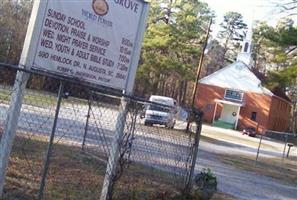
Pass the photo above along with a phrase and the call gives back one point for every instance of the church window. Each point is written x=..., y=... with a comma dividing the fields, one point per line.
x=254, y=116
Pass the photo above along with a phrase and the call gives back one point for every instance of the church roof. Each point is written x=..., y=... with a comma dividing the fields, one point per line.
x=236, y=76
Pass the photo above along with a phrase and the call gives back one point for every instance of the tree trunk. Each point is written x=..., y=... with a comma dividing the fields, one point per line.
x=176, y=91
x=185, y=93
x=172, y=90
x=162, y=84
x=155, y=84
x=181, y=86
x=144, y=88
x=225, y=49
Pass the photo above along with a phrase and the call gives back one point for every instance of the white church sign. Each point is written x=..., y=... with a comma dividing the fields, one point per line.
x=97, y=41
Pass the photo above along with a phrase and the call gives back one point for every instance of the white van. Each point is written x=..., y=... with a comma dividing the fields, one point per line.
x=162, y=115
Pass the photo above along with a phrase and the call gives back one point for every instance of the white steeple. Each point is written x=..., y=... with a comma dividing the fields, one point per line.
x=245, y=55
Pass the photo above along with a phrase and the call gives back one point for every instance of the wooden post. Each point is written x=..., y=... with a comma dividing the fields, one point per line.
x=195, y=90
x=258, y=151
x=285, y=146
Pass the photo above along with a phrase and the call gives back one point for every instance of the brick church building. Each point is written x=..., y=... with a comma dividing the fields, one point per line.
x=233, y=97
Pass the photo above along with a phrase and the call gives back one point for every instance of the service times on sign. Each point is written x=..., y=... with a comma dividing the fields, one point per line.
x=92, y=40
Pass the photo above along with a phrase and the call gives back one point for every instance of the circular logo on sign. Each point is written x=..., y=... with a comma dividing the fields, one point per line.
x=234, y=114
x=100, y=7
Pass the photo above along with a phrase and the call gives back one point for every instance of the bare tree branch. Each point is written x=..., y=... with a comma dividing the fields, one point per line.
x=291, y=50
x=288, y=8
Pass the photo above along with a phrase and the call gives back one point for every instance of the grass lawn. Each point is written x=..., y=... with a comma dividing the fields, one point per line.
x=31, y=97
x=271, y=167
x=45, y=99
x=4, y=95
x=268, y=166
x=75, y=175
x=219, y=138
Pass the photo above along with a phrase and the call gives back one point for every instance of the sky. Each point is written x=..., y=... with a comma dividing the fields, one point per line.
x=251, y=10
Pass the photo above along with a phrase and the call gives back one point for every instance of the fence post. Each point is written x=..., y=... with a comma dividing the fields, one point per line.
x=189, y=183
x=50, y=146
x=258, y=151
x=132, y=131
x=11, y=121
x=87, y=124
x=284, y=151
x=13, y=113
x=114, y=156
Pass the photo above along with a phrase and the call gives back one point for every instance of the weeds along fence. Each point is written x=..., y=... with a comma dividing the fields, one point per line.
x=153, y=161
x=277, y=151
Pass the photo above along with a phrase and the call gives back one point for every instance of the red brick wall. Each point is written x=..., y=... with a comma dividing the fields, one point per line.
x=272, y=112
x=279, y=118
x=258, y=103
x=205, y=100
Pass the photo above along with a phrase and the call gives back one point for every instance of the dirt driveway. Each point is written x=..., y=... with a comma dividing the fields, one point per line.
x=236, y=178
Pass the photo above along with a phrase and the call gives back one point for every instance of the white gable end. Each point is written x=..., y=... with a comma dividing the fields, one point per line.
x=236, y=76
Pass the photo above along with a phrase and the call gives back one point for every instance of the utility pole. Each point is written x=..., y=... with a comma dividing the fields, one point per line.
x=195, y=90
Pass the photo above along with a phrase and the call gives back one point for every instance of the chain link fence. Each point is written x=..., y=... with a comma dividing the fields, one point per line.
x=154, y=161
x=277, y=154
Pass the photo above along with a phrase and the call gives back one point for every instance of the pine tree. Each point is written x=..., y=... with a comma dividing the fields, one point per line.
x=277, y=52
x=172, y=47
x=233, y=31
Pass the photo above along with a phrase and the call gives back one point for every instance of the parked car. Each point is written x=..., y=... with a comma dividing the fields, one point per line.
x=158, y=114
x=250, y=131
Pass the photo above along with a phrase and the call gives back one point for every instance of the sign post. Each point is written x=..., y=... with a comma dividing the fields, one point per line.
x=113, y=160
x=114, y=156
x=18, y=92
x=11, y=125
